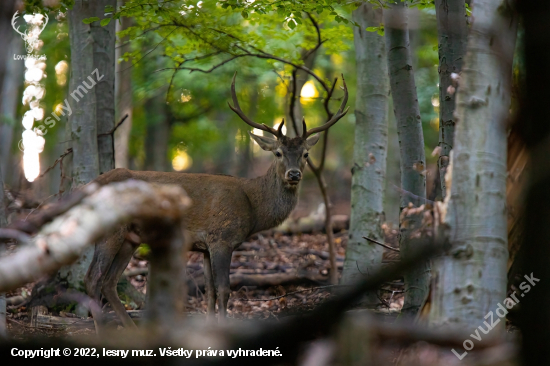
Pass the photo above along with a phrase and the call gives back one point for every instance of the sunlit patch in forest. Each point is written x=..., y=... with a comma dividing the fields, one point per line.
x=337, y=60
x=182, y=161
x=434, y=122
x=435, y=100
x=281, y=89
x=61, y=72
x=185, y=96
x=32, y=140
x=309, y=92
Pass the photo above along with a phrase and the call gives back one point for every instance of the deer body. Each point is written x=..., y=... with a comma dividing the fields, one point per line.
x=226, y=210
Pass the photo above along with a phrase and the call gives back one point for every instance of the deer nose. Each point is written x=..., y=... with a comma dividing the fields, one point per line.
x=294, y=175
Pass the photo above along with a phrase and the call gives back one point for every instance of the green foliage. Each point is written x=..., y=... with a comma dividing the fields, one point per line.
x=292, y=10
x=379, y=30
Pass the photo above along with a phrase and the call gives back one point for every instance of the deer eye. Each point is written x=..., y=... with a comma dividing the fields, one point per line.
x=278, y=154
x=306, y=155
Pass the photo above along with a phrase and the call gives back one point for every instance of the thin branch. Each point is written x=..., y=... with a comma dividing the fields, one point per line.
x=293, y=101
x=112, y=131
x=319, y=41
x=382, y=244
x=193, y=69
x=59, y=159
x=149, y=52
x=283, y=80
x=329, y=116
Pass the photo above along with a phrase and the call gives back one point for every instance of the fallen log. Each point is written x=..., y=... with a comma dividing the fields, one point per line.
x=312, y=223
x=238, y=280
x=62, y=240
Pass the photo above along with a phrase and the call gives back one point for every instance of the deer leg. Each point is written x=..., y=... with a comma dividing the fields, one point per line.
x=209, y=286
x=221, y=263
x=119, y=264
x=105, y=252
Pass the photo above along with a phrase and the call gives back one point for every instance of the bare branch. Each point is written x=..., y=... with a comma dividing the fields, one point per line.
x=382, y=244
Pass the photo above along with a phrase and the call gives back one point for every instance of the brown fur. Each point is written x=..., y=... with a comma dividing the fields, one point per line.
x=226, y=211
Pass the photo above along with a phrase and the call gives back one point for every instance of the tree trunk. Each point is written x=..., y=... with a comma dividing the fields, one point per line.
x=411, y=145
x=471, y=277
x=393, y=172
x=82, y=119
x=104, y=61
x=158, y=134
x=3, y=222
x=371, y=140
x=453, y=33
x=124, y=99
x=11, y=75
x=9, y=99
x=7, y=10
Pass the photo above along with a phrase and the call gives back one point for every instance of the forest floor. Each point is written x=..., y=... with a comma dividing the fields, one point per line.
x=299, y=262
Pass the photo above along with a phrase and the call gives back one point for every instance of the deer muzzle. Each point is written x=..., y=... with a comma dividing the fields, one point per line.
x=293, y=176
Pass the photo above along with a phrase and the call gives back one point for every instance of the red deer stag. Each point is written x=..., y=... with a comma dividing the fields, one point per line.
x=226, y=211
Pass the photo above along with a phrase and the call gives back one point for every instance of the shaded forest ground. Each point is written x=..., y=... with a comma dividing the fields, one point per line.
x=300, y=260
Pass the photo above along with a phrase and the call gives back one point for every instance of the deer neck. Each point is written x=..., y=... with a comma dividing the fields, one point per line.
x=272, y=200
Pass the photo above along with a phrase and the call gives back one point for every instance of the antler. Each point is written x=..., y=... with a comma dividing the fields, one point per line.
x=44, y=23
x=237, y=109
x=339, y=114
x=13, y=24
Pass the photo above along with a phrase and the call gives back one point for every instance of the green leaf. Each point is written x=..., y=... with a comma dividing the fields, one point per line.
x=372, y=29
x=291, y=24
x=105, y=22
x=244, y=13
x=90, y=20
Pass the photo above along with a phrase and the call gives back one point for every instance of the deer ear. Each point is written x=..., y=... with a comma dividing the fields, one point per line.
x=266, y=143
x=310, y=142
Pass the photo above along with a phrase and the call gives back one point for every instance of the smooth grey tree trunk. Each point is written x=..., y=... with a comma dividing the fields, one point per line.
x=7, y=10
x=452, y=32
x=471, y=278
x=3, y=222
x=411, y=145
x=104, y=61
x=371, y=140
x=123, y=91
x=393, y=172
x=85, y=165
x=9, y=100
x=83, y=117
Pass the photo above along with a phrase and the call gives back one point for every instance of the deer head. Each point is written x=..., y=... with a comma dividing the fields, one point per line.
x=291, y=154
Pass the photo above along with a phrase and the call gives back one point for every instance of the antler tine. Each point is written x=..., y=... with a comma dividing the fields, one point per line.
x=336, y=117
x=304, y=128
x=15, y=16
x=237, y=109
x=280, y=129
x=44, y=23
